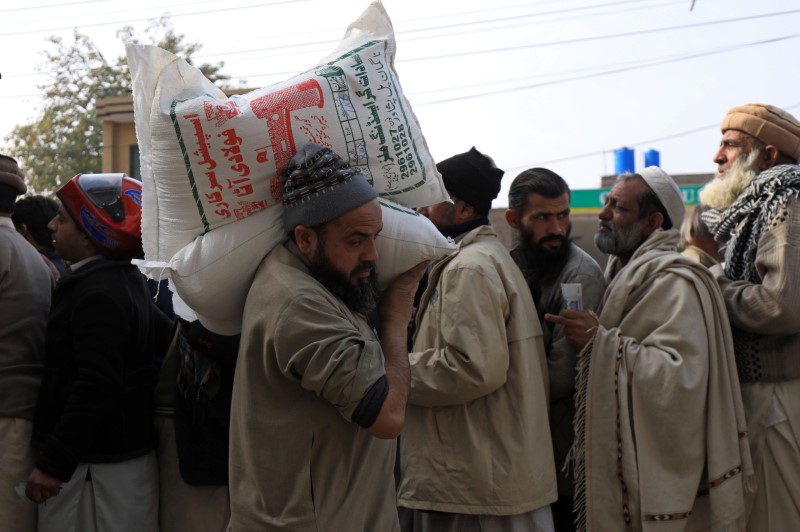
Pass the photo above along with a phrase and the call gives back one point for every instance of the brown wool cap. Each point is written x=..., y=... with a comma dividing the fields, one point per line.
x=768, y=124
x=11, y=175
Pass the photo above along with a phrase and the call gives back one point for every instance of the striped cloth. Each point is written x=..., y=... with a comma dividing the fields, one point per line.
x=742, y=224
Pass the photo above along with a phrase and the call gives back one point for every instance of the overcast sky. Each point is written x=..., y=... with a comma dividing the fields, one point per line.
x=548, y=83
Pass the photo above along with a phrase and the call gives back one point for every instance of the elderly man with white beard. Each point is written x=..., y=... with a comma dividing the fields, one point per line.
x=755, y=213
x=659, y=423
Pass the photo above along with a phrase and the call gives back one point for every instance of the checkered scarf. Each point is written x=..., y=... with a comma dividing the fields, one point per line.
x=742, y=224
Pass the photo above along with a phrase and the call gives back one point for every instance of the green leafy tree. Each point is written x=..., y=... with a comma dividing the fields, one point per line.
x=67, y=137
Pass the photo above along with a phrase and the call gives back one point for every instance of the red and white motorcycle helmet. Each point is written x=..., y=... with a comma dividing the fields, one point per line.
x=108, y=207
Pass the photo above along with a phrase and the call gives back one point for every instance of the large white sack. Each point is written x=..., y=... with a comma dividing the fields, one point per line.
x=407, y=239
x=213, y=274
x=208, y=160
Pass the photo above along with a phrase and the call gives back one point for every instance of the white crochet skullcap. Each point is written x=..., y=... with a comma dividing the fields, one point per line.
x=667, y=191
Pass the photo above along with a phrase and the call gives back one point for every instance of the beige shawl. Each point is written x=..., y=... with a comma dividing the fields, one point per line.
x=660, y=429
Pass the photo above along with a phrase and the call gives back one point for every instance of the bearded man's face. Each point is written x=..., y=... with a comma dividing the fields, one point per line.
x=344, y=256
x=544, y=229
x=733, y=146
x=737, y=165
x=621, y=229
x=357, y=288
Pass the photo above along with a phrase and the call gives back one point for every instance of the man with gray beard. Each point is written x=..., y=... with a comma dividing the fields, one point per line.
x=318, y=397
x=755, y=213
x=658, y=409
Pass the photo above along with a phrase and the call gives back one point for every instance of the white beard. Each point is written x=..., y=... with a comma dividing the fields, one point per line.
x=723, y=190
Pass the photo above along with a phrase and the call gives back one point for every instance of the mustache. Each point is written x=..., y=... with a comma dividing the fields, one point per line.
x=553, y=238
x=364, y=267
x=606, y=225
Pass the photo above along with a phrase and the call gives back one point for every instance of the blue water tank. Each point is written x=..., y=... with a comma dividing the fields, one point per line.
x=623, y=160
x=652, y=158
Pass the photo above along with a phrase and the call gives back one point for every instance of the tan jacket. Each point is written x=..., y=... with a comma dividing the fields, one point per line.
x=766, y=317
x=297, y=461
x=476, y=438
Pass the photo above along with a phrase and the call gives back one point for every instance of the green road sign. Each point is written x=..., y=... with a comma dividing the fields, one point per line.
x=593, y=199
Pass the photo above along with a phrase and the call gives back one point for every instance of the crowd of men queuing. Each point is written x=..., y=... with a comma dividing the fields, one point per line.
x=468, y=396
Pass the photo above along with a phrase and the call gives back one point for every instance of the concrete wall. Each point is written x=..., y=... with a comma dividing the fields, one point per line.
x=119, y=133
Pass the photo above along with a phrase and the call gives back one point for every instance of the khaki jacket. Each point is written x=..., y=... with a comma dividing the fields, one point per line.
x=297, y=461
x=476, y=438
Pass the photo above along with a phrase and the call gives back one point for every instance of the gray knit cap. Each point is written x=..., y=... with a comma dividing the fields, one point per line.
x=318, y=186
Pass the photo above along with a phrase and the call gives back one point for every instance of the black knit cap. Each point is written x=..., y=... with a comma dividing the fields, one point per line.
x=472, y=177
x=318, y=186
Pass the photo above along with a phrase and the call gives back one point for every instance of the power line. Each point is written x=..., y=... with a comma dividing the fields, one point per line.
x=644, y=62
x=213, y=11
x=528, y=15
x=115, y=12
x=540, y=45
x=29, y=8
x=440, y=27
x=402, y=33
x=649, y=142
x=613, y=71
x=549, y=21
x=602, y=37
x=552, y=43
x=334, y=41
x=225, y=9
x=633, y=65
x=594, y=68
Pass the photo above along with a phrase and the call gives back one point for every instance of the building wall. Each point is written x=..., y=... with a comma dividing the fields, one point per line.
x=118, y=140
x=119, y=134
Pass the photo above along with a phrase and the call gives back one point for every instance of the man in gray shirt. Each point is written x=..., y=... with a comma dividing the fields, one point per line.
x=25, y=287
x=539, y=210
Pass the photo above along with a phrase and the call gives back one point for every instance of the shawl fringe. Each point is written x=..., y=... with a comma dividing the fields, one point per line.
x=660, y=256
x=577, y=453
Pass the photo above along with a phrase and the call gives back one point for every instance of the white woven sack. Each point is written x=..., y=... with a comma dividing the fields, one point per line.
x=407, y=239
x=213, y=274
x=208, y=160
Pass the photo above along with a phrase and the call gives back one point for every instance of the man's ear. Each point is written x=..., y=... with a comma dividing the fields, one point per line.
x=511, y=218
x=463, y=211
x=306, y=240
x=654, y=221
x=88, y=246
x=769, y=157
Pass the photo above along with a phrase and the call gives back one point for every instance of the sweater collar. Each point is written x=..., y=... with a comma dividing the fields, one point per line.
x=457, y=231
